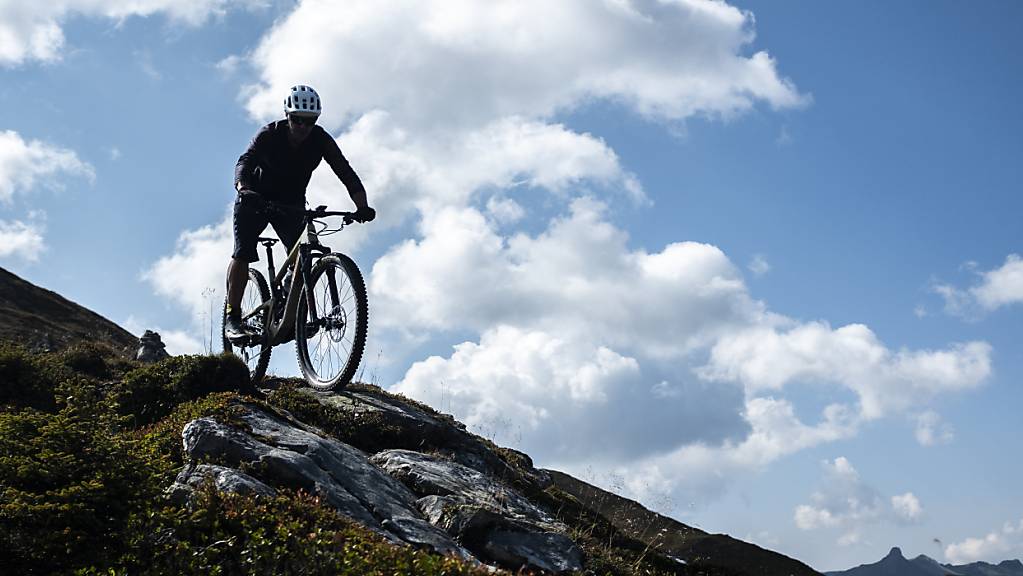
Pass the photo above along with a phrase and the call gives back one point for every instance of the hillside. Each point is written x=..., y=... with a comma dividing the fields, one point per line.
x=108, y=465
x=43, y=320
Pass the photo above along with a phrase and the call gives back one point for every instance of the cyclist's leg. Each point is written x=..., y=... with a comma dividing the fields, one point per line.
x=249, y=222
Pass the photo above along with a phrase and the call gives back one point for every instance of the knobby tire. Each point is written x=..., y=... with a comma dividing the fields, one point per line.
x=260, y=355
x=336, y=301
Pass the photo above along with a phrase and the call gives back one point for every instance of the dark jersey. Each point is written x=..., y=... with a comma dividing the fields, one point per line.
x=280, y=172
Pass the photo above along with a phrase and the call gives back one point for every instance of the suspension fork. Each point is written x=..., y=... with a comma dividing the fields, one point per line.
x=306, y=268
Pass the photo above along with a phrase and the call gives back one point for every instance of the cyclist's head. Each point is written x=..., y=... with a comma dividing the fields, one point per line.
x=302, y=101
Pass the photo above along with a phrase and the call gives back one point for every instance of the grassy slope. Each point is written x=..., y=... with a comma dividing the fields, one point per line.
x=44, y=320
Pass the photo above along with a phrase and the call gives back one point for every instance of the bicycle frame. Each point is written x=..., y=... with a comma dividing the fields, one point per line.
x=299, y=261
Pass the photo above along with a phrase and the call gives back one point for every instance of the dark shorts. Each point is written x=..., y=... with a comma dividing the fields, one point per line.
x=251, y=215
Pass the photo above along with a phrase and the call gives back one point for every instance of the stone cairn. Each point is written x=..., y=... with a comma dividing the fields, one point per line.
x=151, y=348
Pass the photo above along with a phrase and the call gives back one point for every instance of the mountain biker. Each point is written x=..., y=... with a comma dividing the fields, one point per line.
x=275, y=171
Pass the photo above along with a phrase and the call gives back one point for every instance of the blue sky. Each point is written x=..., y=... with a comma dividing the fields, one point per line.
x=753, y=264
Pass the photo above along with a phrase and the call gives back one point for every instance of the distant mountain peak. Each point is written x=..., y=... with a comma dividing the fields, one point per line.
x=895, y=564
x=895, y=553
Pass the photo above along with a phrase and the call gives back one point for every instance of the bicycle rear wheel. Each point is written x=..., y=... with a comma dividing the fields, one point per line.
x=330, y=348
x=256, y=352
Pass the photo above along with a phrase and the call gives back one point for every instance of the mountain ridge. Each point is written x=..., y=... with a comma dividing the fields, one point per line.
x=43, y=320
x=895, y=564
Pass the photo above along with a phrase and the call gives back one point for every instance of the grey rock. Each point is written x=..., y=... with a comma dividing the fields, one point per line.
x=151, y=348
x=547, y=551
x=283, y=452
x=225, y=480
x=492, y=520
x=432, y=476
x=448, y=436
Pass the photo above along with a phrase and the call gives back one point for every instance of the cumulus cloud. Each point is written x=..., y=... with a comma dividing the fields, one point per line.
x=570, y=401
x=23, y=240
x=994, y=289
x=993, y=547
x=697, y=471
x=579, y=282
x=907, y=507
x=27, y=165
x=846, y=502
x=886, y=381
x=34, y=31
x=577, y=278
x=441, y=64
x=195, y=273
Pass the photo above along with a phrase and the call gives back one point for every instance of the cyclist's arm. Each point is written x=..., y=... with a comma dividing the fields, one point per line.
x=339, y=164
x=245, y=168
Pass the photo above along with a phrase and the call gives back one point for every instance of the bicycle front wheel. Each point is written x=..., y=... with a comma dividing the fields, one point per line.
x=330, y=342
x=256, y=352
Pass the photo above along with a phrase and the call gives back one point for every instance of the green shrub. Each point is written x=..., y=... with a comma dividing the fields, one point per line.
x=291, y=533
x=96, y=360
x=28, y=380
x=70, y=484
x=149, y=393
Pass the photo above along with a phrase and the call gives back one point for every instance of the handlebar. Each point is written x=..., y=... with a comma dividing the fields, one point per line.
x=322, y=212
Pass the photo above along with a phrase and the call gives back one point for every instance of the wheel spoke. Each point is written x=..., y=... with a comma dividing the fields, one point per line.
x=332, y=347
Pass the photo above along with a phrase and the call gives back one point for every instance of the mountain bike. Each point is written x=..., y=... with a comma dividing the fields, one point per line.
x=318, y=298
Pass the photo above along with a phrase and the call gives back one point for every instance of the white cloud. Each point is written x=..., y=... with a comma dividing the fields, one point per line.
x=844, y=501
x=907, y=507
x=405, y=171
x=452, y=65
x=577, y=278
x=996, y=288
x=847, y=503
x=195, y=274
x=759, y=266
x=23, y=240
x=25, y=165
x=1001, y=286
x=579, y=283
x=176, y=342
x=994, y=547
x=698, y=470
x=768, y=358
x=931, y=430
x=568, y=400
x=33, y=30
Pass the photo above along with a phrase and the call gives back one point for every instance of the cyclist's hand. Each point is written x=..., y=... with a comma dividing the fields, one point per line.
x=364, y=214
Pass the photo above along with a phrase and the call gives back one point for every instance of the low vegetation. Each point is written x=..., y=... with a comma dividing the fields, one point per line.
x=89, y=440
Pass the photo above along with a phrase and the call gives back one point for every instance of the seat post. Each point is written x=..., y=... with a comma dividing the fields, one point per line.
x=270, y=262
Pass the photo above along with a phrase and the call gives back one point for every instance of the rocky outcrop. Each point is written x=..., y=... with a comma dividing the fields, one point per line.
x=494, y=521
x=284, y=453
x=408, y=497
x=438, y=433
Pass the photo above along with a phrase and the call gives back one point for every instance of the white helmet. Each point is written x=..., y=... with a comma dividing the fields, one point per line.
x=302, y=101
